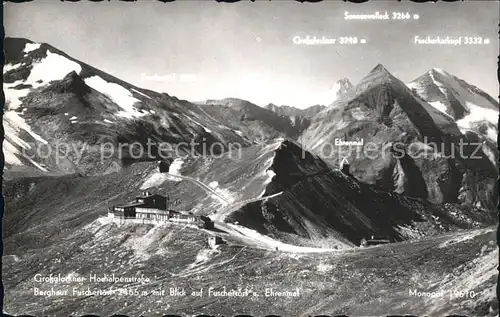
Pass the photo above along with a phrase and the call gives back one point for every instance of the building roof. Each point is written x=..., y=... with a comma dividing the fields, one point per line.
x=134, y=204
x=147, y=195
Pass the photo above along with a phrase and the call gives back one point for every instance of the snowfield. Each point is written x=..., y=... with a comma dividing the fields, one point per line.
x=14, y=125
x=9, y=67
x=155, y=180
x=31, y=47
x=477, y=107
x=13, y=96
x=53, y=67
x=439, y=106
x=17, y=123
x=477, y=114
x=489, y=153
x=175, y=169
x=11, y=153
x=119, y=95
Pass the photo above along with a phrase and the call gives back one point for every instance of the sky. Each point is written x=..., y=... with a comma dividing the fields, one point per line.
x=199, y=50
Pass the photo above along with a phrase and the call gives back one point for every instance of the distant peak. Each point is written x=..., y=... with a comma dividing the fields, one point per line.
x=341, y=88
x=438, y=71
x=380, y=68
x=341, y=84
x=17, y=39
x=344, y=82
x=380, y=73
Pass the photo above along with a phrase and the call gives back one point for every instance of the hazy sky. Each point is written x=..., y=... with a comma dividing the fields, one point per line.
x=246, y=50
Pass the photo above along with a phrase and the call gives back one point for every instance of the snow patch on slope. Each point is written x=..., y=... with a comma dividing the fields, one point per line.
x=13, y=125
x=477, y=114
x=491, y=156
x=440, y=118
x=16, y=123
x=437, y=83
x=140, y=93
x=31, y=47
x=9, y=67
x=204, y=128
x=10, y=153
x=53, y=67
x=118, y=94
x=155, y=180
x=492, y=134
x=175, y=169
x=464, y=94
x=438, y=105
x=270, y=173
x=13, y=96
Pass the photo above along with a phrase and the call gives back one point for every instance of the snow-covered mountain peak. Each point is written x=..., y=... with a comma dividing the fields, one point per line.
x=52, y=98
x=337, y=91
x=342, y=86
x=438, y=71
x=470, y=106
x=455, y=95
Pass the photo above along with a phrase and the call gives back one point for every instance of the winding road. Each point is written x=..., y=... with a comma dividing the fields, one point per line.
x=202, y=185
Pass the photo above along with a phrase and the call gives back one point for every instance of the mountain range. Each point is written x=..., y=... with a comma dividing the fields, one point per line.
x=283, y=192
x=386, y=112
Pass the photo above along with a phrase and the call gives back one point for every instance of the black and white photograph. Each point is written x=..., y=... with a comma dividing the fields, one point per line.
x=257, y=158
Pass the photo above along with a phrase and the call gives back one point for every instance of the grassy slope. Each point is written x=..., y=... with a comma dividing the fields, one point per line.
x=372, y=281
x=52, y=236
